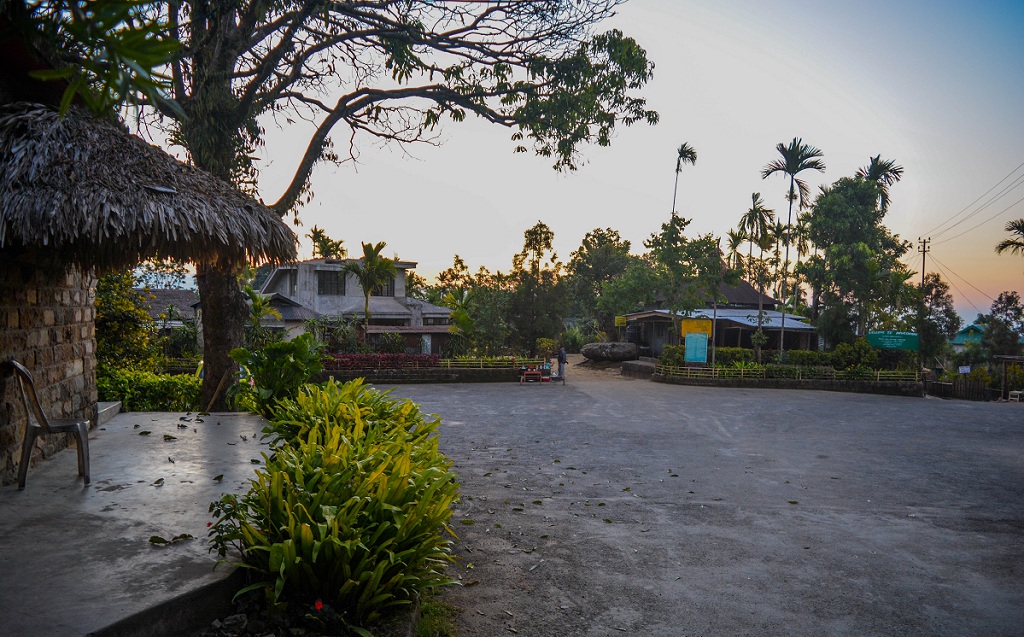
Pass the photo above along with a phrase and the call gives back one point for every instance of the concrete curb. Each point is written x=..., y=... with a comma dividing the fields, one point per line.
x=106, y=411
x=190, y=612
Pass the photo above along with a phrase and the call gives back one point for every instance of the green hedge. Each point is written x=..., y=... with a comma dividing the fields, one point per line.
x=146, y=391
x=351, y=508
x=726, y=356
x=674, y=355
x=809, y=358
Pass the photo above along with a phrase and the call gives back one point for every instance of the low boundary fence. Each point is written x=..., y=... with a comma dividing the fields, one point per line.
x=486, y=363
x=962, y=389
x=794, y=373
x=888, y=383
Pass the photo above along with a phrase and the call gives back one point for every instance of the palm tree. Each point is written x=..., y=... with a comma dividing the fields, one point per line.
x=780, y=236
x=793, y=160
x=757, y=224
x=884, y=173
x=735, y=239
x=372, y=271
x=1014, y=244
x=802, y=241
x=257, y=335
x=685, y=155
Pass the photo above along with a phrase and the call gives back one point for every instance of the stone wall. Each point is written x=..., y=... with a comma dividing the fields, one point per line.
x=643, y=368
x=890, y=388
x=423, y=375
x=46, y=323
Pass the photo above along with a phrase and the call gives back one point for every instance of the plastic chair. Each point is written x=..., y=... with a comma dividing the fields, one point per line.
x=44, y=426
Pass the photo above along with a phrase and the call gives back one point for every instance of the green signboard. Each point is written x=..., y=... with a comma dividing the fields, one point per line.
x=894, y=340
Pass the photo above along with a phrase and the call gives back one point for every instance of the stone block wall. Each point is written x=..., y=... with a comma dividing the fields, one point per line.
x=423, y=375
x=47, y=316
x=909, y=389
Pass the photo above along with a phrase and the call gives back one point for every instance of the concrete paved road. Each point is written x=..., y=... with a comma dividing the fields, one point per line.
x=629, y=507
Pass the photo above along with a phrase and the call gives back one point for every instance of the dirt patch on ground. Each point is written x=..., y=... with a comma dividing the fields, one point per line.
x=584, y=369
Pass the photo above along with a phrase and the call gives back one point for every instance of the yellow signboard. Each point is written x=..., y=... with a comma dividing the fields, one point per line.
x=620, y=321
x=698, y=326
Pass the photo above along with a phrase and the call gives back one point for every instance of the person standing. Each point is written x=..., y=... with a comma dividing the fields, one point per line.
x=561, y=362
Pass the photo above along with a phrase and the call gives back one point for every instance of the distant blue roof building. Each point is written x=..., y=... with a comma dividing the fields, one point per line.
x=970, y=334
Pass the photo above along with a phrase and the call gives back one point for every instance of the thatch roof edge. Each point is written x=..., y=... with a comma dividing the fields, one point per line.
x=103, y=197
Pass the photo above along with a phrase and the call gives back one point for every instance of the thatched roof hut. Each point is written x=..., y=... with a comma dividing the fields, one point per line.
x=100, y=196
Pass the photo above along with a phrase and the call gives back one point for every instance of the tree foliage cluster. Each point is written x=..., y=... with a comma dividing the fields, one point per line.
x=509, y=312
x=126, y=336
x=848, y=277
x=391, y=70
x=495, y=313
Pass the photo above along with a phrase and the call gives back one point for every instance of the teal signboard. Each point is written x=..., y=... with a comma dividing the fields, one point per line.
x=696, y=347
x=894, y=340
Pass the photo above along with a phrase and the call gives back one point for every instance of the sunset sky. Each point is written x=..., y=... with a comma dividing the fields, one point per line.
x=938, y=86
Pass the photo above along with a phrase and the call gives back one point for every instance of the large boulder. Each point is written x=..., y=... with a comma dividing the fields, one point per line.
x=609, y=351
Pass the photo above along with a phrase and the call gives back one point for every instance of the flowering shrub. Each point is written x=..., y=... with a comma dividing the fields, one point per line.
x=351, y=508
x=337, y=362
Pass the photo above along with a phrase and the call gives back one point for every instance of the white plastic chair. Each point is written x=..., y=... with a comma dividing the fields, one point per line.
x=43, y=425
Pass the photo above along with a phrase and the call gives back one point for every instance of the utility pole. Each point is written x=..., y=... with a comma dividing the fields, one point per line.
x=923, y=248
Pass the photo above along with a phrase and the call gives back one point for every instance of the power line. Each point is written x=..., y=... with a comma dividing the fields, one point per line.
x=962, y=295
x=963, y=279
x=973, y=228
x=968, y=206
x=988, y=203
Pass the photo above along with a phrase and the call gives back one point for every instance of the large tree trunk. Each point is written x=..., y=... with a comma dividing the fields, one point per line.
x=224, y=314
x=211, y=134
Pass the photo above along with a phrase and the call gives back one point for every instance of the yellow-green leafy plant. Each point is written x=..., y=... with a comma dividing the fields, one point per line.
x=351, y=508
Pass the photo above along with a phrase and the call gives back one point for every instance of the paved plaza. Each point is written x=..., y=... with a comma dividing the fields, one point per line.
x=614, y=506
x=605, y=507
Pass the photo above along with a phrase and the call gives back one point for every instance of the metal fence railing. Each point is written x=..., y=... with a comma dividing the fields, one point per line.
x=791, y=373
x=490, y=363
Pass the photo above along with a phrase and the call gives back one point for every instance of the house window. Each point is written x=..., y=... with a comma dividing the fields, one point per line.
x=388, y=289
x=330, y=283
x=293, y=282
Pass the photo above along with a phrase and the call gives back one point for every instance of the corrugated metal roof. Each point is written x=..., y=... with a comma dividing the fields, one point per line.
x=772, y=319
x=410, y=329
x=380, y=307
x=291, y=310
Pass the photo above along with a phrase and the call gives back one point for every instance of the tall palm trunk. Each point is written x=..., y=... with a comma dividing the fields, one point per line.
x=675, y=191
x=366, y=318
x=760, y=308
x=785, y=270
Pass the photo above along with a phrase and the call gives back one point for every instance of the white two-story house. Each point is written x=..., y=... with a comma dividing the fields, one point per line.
x=319, y=286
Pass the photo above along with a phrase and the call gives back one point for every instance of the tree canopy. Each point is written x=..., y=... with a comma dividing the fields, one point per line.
x=394, y=69
x=688, y=271
x=937, y=320
x=859, y=265
x=324, y=246
x=537, y=299
x=1004, y=327
x=390, y=70
x=1014, y=244
x=372, y=271
x=603, y=255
